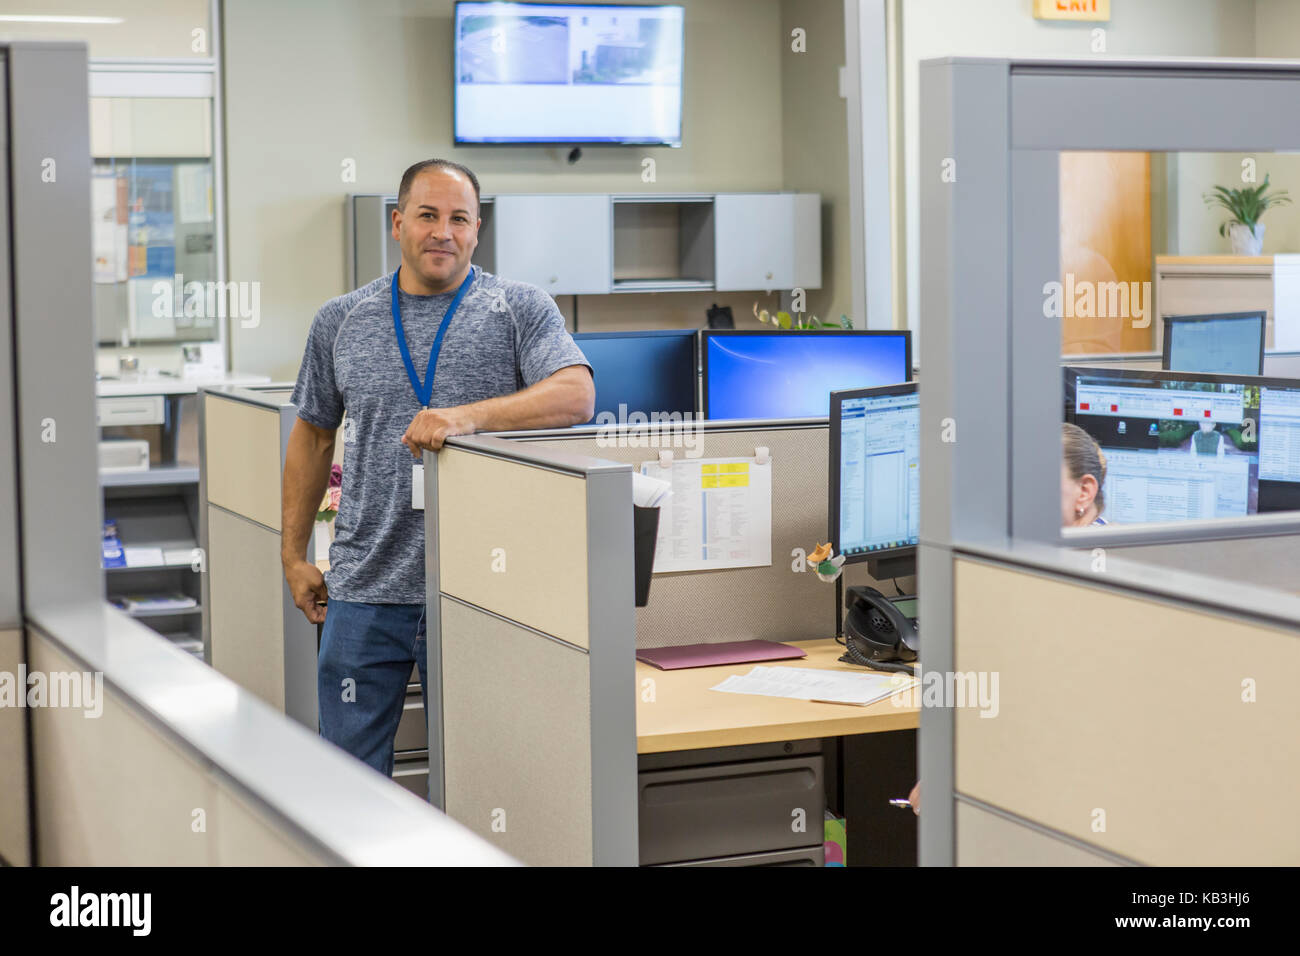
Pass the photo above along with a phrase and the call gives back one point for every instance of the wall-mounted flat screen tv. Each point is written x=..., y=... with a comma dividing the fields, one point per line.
x=568, y=73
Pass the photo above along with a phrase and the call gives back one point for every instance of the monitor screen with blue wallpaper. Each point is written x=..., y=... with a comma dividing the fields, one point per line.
x=792, y=374
x=650, y=373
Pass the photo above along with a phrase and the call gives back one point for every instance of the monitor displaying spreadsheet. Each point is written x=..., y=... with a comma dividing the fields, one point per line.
x=875, y=471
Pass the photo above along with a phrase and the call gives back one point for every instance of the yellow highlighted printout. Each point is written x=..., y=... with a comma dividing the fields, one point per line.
x=718, y=516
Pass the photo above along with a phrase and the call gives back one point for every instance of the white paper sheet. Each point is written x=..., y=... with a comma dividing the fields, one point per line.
x=178, y=556
x=194, y=192
x=806, y=683
x=142, y=557
x=719, y=514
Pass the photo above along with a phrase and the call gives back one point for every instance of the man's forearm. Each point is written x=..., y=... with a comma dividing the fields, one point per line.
x=551, y=403
x=306, y=476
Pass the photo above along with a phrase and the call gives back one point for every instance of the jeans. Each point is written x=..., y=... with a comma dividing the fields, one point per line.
x=366, y=653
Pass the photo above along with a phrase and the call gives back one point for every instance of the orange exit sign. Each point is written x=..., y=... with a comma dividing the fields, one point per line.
x=1072, y=9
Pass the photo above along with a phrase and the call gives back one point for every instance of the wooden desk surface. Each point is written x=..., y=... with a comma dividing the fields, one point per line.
x=686, y=715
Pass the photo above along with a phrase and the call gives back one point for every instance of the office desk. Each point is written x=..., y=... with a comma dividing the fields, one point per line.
x=691, y=739
x=686, y=715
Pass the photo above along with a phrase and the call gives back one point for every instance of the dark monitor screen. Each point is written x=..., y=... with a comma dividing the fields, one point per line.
x=875, y=474
x=1226, y=344
x=1183, y=446
x=791, y=374
x=641, y=373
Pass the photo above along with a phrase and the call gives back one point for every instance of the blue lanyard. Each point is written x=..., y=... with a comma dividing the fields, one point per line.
x=425, y=392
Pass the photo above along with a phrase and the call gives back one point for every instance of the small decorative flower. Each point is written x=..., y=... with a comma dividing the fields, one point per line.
x=329, y=505
x=827, y=568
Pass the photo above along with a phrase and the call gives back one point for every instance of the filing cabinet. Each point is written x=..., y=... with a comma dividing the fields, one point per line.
x=411, y=745
x=742, y=812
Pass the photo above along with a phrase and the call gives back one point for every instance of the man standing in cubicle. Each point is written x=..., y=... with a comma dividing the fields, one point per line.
x=498, y=358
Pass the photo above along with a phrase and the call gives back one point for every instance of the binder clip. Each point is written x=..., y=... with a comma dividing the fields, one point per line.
x=761, y=455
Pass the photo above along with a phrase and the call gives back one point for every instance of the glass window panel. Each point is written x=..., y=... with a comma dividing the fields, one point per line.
x=152, y=194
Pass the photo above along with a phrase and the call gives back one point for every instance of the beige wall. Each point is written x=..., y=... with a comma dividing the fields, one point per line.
x=149, y=28
x=312, y=84
x=815, y=141
x=933, y=28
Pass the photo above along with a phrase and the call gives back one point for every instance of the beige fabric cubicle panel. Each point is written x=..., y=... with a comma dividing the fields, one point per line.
x=1133, y=708
x=771, y=603
x=510, y=777
x=242, y=455
x=135, y=794
x=246, y=609
x=987, y=839
x=243, y=837
x=13, y=758
x=538, y=520
x=132, y=792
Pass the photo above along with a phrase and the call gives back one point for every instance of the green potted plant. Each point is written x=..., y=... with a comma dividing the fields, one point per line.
x=1246, y=207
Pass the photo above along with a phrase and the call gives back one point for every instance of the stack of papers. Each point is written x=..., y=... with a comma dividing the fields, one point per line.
x=804, y=683
x=157, y=602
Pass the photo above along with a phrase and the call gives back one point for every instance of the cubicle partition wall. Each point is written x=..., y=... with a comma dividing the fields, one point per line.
x=1144, y=712
x=252, y=631
x=782, y=602
x=227, y=781
x=128, y=750
x=531, y=632
x=1145, y=715
x=530, y=555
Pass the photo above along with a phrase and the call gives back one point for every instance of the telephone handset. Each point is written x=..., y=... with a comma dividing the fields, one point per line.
x=877, y=633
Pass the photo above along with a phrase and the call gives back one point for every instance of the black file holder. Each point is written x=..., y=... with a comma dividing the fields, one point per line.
x=645, y=532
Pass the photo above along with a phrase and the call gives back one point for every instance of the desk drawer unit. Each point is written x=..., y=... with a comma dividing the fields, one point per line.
x=130, y=410
x=412, y=730
x=413, y=773
x=705, y=813
x=807, y=856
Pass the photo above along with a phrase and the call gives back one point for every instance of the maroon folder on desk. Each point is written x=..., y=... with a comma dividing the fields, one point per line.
x=710, y=655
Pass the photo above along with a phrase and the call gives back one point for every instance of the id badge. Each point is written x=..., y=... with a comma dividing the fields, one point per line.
x=417, y=487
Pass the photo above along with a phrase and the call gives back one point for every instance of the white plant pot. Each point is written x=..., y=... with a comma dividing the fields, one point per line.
x=1245, y=242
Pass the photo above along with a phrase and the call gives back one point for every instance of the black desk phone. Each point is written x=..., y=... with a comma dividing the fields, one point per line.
x=880, y=633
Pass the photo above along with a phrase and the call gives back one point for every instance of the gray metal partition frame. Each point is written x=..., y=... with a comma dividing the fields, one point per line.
x=612, y=636
x=991, y=138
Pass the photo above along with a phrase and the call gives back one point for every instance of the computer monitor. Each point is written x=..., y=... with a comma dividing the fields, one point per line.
x=875, y=477
x=1185, y=446
x=1229, y=343
x=648, y=373
x=791, y=374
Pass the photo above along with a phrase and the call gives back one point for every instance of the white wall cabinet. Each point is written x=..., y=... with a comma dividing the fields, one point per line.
x=560, y=243
x=593, y=244
x=767, y=241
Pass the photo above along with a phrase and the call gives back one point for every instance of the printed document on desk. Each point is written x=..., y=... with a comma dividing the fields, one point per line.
x=806, y=683
x=718, y=516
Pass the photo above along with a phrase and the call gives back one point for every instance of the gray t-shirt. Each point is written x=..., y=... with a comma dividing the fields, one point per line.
x=504, y=336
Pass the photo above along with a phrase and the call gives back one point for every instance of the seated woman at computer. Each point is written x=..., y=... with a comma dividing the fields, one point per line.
x=1083, y=472
x=1207, y=440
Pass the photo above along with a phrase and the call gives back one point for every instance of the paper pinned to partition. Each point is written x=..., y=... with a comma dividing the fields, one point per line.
x=719, y=514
